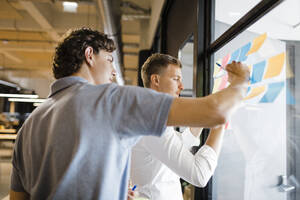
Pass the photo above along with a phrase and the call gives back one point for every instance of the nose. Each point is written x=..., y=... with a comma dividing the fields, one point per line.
x=114, y=72
x=180, y=86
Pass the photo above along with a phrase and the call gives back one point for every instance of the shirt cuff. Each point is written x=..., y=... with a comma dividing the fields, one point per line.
x=189, y=140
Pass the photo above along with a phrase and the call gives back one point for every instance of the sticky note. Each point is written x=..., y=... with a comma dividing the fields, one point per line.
x=258, y=72
x=257, y=43
x=275, y=65
x=234, y=56
x=244, y=50
x=273, y=91
x=255, y=91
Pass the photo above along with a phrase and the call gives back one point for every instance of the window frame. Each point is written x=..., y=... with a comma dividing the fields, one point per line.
x=204, y=54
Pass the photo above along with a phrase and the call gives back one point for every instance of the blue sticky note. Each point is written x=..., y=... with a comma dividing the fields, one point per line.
x=258, y=72
x=244, y=50
x=234, y=56
x=273, y=91
x=248, y=90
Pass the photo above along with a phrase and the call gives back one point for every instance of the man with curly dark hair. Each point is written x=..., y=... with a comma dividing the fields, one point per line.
x=69, y=58
x=77, y=144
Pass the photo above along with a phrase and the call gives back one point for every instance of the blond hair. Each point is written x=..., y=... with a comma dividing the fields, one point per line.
x=155, y=64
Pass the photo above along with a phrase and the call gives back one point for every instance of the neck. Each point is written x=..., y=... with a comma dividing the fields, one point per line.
x=153, y=87
x=85, y=73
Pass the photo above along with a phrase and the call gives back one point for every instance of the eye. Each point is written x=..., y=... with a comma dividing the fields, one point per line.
x=109, y=59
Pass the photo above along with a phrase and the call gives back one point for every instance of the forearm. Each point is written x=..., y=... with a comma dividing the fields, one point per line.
x=215, y=138
x=13, y=195
x=227, y=99
x=209, y=111
x=195, y=169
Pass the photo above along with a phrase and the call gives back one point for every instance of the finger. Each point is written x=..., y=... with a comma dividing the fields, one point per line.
x=130, y=196
x=130, y=183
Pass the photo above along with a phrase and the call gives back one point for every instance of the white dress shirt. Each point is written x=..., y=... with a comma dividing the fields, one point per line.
x=157, y=163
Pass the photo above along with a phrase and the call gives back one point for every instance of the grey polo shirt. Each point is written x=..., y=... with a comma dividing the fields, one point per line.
x=77, y=144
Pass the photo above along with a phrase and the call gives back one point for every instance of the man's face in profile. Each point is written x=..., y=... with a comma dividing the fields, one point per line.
x=170, y=80
x=104, y=70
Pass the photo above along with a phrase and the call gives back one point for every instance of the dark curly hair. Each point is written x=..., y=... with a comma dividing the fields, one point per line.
x=69, y=54
x=155, y=64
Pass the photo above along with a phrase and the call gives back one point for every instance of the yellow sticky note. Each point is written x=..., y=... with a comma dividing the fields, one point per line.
x=217, y=83
x=255, y=92
x=275, y=65
x=257, y=43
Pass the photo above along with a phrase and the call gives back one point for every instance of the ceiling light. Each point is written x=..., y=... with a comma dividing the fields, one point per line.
x=70, y=6
x=32, y=96
x=26, y=100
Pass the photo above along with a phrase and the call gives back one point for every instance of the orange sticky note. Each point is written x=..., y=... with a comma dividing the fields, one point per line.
x=257, y=43
x=275, y=65
x=255, y=92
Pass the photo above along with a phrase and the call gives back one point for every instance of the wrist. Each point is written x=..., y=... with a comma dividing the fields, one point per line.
x=241, y=88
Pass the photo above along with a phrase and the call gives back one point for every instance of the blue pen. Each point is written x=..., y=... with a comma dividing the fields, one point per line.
x=220, y=66
x=133, y=188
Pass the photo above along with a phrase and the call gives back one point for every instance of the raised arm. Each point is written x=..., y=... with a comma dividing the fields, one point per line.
x=213, y=109
x=215, y=138
x=170, y=150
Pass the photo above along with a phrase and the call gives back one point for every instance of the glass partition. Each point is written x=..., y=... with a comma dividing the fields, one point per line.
x=260, y=158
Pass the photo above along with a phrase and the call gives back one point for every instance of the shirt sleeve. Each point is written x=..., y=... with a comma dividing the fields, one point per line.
x=16, y=183
x=139, y=111
x=169, y=149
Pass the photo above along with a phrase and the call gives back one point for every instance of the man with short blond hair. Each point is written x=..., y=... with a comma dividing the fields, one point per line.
x=158, y=163
x=155, y=64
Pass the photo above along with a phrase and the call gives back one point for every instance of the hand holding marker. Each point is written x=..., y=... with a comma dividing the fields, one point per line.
x=219, y=65
x=138, y=198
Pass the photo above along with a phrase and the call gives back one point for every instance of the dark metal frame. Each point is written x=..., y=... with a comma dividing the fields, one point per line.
x=247, y=20
x=204, y=34
x=164, y=23
x=203, y=37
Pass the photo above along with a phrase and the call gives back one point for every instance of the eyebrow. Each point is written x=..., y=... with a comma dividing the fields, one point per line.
x=177, y=76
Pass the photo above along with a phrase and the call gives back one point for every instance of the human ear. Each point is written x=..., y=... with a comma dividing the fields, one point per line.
x=88, y=53
x=154, y=78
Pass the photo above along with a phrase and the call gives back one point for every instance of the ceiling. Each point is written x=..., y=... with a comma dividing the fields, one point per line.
x=283, y=22
x=30, y=30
